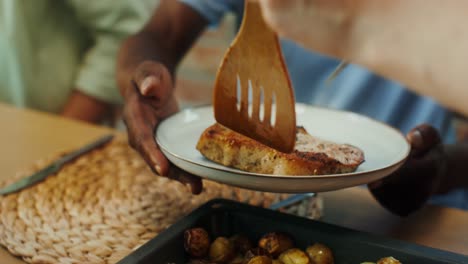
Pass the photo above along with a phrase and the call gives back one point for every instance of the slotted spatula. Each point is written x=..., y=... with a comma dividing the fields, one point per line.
x=253, y=70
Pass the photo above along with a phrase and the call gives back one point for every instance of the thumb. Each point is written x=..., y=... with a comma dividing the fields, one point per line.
x=153, y=79
x=422, y=139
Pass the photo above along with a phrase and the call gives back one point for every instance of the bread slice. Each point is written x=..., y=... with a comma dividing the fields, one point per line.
x=311, y=155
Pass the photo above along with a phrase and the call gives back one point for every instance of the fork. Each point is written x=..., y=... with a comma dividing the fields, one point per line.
x=253, y=70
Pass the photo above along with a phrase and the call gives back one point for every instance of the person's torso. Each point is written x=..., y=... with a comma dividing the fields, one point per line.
x=357, y=89
x=41, y=44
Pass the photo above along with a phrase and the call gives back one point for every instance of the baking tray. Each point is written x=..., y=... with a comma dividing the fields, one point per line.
x=225, y=217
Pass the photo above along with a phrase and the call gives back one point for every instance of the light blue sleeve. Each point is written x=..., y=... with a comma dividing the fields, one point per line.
x=214, y=10
x=108, y=22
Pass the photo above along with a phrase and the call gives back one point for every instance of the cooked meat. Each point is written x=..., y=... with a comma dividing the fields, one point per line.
x=311, y=155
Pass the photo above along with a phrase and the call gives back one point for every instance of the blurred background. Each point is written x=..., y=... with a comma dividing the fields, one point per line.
x=197, y=72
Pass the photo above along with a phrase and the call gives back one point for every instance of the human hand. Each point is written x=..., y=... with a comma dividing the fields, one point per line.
x=407, y=189
x=150, y=100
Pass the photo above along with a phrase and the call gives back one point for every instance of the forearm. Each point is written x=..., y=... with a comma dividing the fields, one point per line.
x=165, y=39
x=85, y=108
x=421, y=43
x=455, y=171
x=135, y=50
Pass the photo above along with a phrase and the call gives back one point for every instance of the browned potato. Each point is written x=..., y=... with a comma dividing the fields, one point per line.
x=241, y=243
x=320, y=254
x=276, y=243
x=238, y=249
x=260, y=260
x=255, y=252
x=196, y=242
x=388, y=260
x=294, y=256
x=239, y=259
x=200, y=261
x=222, y=250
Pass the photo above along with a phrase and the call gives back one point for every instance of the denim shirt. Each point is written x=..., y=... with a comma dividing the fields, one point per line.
x=355, y=89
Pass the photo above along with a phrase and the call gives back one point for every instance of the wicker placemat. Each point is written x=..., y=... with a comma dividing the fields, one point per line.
x=100, y=207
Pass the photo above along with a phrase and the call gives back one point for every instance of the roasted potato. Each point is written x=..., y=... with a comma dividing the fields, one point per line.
x=253, y=252
x=276, y=243
x=259, y=260
x=320, y=254
x=273, y=248
x=196, y=242
x=222, y=250
x=239, y=259
x=388, y=260
x=200, y=261
x=294, y=256
x=241, y=243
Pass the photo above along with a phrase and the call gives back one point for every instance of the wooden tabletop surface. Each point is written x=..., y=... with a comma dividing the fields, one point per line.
x=27, y=136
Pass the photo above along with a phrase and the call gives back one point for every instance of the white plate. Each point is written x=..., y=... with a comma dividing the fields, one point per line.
x=385, y=150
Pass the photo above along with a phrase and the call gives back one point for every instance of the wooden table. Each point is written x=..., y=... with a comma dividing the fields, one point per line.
x=28, y=136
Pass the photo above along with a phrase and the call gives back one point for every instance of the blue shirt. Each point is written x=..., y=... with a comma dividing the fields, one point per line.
x=355, y=89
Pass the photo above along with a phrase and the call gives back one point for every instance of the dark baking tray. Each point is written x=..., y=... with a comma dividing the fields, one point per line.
x=223, y=217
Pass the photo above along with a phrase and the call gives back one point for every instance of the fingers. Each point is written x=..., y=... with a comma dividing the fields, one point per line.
x=422, y=139
x=195, y=183
x=407, y=189
x=149, y=84
x=153, y=156
x=152, y=80
x=141, y=118
x=142, y=113
x=151, y=153
x=140, y=125
x=141, y=121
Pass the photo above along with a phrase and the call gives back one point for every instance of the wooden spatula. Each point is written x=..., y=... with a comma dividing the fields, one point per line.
x=253, y=70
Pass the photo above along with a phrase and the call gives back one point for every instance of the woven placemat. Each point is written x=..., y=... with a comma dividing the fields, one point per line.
x=101, y=207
